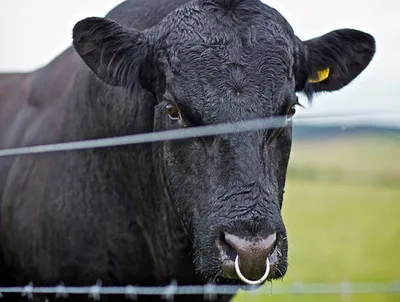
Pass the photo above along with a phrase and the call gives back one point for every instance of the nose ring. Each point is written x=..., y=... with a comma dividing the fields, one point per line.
x=252, y=282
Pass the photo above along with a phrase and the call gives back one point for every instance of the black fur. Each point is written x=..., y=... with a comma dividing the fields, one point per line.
x=120, y=51
x=346, y=51
x=147, y=214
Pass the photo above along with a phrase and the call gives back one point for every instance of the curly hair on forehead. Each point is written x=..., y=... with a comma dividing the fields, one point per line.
x=227, y=4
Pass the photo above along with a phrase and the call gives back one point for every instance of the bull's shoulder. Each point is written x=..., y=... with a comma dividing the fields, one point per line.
x=35, y=102
x=14, y=89
x=10, y=79
x=10, y=84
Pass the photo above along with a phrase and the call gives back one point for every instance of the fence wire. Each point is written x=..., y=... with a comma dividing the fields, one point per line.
x=185, y=133
x=209, y=291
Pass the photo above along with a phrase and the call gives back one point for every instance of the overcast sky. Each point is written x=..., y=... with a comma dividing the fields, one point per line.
x=33, y=32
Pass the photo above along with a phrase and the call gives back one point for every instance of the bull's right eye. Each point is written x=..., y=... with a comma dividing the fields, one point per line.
x=173, y=112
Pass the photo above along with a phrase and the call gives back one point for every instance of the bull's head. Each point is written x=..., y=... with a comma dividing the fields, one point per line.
x=216, y=61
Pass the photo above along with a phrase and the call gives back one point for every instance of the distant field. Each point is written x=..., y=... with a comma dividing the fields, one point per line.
x=360, y=159
x=342, y=210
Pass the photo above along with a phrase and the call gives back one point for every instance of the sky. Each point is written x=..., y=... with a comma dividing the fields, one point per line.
x=33, y=32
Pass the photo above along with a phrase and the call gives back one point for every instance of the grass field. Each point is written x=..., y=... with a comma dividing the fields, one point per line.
x=342, y=210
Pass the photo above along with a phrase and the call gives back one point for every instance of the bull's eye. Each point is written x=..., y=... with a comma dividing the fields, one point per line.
x=173, y=112
x=291, y=112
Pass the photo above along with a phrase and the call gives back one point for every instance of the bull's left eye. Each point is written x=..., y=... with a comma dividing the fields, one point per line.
x=278, y=132
x=291, y=112
x=173, y=112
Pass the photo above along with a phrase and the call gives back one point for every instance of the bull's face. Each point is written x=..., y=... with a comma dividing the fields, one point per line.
x=225, y=61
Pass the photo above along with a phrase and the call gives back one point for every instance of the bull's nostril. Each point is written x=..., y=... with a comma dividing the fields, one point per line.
x=228, y=251
x=252, y=252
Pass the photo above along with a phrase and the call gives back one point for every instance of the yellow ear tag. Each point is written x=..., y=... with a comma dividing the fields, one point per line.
x=322, y=75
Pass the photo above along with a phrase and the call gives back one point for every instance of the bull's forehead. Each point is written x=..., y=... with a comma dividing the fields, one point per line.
x=228, y=65
x=210, y=22
x=217, y=87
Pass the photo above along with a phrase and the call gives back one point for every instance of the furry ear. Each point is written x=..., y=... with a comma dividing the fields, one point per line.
x=114, y=53
x=332, y=61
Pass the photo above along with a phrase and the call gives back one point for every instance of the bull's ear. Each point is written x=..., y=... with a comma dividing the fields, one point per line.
x=114, y=53
x=332, y=61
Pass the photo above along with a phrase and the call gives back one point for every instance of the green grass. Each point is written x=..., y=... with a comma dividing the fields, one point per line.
x=342, y=210
x=361, y=159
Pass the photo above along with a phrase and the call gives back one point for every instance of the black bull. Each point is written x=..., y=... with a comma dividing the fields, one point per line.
x=150, y=213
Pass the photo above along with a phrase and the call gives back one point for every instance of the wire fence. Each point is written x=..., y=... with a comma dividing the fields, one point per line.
x=209, y=291
x=185, y=133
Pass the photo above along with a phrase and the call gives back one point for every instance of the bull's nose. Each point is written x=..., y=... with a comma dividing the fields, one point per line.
x=252, y=253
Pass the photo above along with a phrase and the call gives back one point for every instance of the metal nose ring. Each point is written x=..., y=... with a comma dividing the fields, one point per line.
x=252, y=282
